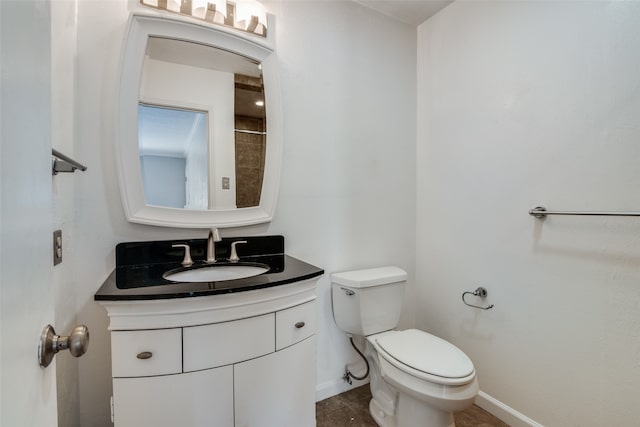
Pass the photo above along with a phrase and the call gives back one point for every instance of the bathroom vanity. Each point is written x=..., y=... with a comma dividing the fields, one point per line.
x=228, y=353
x=215, y=351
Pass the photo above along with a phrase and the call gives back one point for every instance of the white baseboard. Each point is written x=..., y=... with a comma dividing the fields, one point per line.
x=504, y=412
x=334, y=387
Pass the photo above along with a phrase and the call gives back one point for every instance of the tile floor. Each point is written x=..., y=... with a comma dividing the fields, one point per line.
x=352, y=409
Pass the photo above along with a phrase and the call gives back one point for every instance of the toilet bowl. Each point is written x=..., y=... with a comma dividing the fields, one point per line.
x=416, y=379
x=432, y=376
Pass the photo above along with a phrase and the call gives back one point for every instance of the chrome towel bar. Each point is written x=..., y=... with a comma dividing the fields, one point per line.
x=541, y=212
x=62, y=163
x=252, y=132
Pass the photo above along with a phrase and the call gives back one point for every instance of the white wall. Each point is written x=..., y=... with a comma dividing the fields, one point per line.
x=522, y=104
x=347, y=198
x=347, y=195
x=63, y=77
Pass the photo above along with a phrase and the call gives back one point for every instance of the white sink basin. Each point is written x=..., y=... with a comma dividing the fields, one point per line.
x=215, y=273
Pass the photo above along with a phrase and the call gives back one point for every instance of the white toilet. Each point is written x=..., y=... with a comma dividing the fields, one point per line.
x=417, y=379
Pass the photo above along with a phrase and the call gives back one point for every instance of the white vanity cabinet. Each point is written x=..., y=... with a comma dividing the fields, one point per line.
x=268, y=392
x=189, y=399
x=245, y=360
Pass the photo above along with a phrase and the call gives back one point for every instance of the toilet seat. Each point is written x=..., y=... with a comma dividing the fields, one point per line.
x=425, y=356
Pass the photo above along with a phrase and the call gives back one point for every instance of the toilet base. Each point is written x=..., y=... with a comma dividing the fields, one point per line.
x=381, y=418
x=410, y=413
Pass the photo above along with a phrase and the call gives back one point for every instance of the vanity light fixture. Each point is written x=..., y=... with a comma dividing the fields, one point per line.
x=206, y=10
x=245, y=15
x=251, y=16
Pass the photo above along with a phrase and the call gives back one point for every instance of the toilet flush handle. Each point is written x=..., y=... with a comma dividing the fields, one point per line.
x=347, y=291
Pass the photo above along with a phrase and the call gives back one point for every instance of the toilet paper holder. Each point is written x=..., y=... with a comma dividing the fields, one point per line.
x=479, y=292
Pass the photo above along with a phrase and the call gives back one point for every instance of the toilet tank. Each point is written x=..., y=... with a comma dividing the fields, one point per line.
x=368, y=301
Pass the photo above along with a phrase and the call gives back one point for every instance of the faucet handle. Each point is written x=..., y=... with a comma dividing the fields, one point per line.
x=234, y=254
x=187, y=261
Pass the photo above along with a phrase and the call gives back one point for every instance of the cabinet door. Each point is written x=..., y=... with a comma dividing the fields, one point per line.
x=277, y=390
x=195, y=399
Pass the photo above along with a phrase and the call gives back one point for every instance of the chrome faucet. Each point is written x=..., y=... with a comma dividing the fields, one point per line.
x=214, y=236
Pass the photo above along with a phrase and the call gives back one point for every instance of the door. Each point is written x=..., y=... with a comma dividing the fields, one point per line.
x=28, y=392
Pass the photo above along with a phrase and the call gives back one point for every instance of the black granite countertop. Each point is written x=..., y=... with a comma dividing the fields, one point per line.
x=141, y=265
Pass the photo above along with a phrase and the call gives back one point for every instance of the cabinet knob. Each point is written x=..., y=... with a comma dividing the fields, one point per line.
x=299, y=325
x=144, y=355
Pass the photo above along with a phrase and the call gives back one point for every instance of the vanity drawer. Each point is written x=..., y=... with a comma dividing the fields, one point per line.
x=295, y=324
x=146, y=353
x=219, y=344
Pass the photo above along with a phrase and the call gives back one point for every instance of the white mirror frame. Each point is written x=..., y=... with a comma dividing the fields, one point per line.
x=140, y=28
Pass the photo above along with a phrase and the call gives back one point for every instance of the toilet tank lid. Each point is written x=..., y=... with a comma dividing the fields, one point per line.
x=369, y=277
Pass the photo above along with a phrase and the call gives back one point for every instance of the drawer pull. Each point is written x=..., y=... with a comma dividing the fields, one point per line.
x=144, y=355
x=299, y=325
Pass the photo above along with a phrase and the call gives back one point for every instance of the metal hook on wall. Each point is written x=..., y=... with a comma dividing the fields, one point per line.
x=62, y=163
x=480, y=292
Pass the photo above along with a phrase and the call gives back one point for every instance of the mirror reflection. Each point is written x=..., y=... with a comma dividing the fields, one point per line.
x=173, y=157
x=201, y=127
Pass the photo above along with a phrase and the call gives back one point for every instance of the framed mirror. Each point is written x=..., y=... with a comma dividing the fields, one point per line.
x=199, y=125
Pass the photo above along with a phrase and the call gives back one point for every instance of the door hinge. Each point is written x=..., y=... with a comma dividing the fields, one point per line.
x=111, y=401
